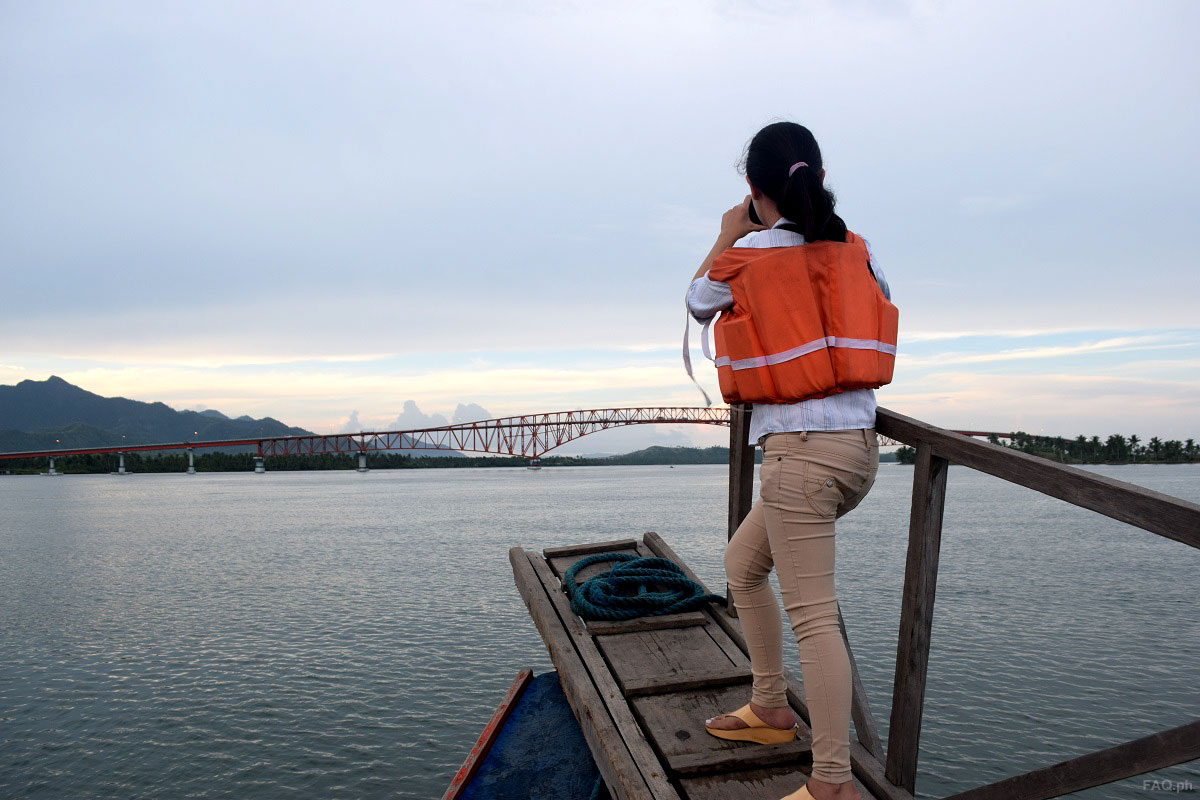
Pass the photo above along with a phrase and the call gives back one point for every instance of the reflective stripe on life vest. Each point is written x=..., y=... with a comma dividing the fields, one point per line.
x=803, y=350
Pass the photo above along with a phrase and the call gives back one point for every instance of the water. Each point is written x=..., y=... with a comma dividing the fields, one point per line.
x=338, y=635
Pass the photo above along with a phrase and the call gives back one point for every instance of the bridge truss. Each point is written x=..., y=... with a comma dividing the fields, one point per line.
x=529, y=435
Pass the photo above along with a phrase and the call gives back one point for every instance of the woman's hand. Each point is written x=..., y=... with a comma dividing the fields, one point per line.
x=735, y=223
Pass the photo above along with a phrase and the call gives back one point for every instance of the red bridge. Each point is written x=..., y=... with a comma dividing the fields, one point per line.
x=529, y=435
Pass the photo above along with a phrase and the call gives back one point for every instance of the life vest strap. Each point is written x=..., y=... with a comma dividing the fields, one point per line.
x=687, y=354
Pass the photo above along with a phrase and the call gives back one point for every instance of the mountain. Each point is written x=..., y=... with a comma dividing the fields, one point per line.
x=43, y=415
x=37, y=415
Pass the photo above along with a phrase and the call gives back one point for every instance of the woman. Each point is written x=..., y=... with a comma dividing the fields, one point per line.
x=820, y=456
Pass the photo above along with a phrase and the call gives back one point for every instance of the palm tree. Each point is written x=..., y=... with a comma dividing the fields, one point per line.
x=1134, y=441
x=1155, y=448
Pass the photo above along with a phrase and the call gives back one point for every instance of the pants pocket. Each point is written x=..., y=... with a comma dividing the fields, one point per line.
x=823, y=489
x=768, y=477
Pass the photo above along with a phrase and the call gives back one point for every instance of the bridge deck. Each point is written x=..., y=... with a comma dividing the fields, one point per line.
x=642, y=689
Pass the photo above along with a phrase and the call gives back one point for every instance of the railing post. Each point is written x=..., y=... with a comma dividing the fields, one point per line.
x=741, y=466
x=741, y=476
x=916, y=616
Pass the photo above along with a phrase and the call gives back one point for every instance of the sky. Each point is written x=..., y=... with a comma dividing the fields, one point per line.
x=359, y=215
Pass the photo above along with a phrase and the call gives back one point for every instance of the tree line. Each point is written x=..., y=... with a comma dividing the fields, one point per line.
x=1116, y=449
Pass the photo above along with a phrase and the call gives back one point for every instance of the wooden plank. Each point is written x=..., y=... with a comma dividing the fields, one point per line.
x=1137, y=757
x=916, y=616
x=484, y=743
x=681, y=681
x=663, y=621
x=1152, y=511
x=729, y=647
x=588, y=548
x=760, y=784
x=560, y=564
x=860, y=708
x=627, y=728
x=741, y=465
x=617, y=766
x=675, y=722
x=756, y=784
x=651, y=655
x=867, y=767
x=796, y=754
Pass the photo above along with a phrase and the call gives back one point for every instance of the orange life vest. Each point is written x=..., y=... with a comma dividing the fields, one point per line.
x=807, y=321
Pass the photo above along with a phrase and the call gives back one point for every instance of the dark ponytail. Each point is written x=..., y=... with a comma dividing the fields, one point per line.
x=800, y=196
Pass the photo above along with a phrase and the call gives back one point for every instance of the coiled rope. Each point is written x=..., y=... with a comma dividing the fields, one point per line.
x=635, y=587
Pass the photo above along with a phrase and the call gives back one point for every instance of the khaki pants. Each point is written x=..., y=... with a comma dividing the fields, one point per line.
x=808, y=479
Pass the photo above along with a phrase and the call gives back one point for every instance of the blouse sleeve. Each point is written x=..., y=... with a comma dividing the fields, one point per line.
x=706, y=297
x=877, y=271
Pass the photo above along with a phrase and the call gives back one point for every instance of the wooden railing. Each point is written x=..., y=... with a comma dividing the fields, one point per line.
x=936, y=450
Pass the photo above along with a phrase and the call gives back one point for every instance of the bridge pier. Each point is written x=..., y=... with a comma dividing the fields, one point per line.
x=120, y=463
x=362, y=462
x=191, y=470
x=52, y=470
x=259, y=466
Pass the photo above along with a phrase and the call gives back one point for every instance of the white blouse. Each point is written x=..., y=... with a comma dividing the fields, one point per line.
x=837, y=412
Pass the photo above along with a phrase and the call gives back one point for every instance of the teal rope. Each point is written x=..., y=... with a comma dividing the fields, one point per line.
x=634, y=587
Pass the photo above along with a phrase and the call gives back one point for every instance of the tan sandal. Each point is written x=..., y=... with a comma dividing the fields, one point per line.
x=757, y=731
x=800, y=794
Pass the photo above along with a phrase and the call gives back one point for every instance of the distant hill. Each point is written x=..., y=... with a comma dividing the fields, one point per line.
x=685, y=455
x=37, y=415
x=658, y=454
x=42, y=415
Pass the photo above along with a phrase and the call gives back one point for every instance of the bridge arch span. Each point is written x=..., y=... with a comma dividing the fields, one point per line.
x=528, y=435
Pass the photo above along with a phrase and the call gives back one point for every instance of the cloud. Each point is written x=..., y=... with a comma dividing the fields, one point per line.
x=470, y=412
x=1116, y=345
x=293, y=245
x=412, y=418
x=920, y=336
x=1054, y=404
x=353, y=425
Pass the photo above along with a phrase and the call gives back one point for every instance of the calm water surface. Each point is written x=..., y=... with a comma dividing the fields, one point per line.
x=336, y=635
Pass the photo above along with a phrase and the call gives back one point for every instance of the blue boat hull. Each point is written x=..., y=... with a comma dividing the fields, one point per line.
x=539, y=752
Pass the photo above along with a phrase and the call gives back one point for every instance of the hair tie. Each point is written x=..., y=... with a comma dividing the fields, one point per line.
x=796, y=166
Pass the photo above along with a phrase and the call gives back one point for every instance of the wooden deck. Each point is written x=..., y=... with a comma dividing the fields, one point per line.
x=642, y=689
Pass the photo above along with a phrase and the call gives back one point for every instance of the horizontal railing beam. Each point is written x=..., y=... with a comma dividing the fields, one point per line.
x=1137, y=757
x=1152, y=511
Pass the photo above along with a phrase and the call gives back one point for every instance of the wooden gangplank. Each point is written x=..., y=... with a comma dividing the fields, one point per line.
x=642, y=689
